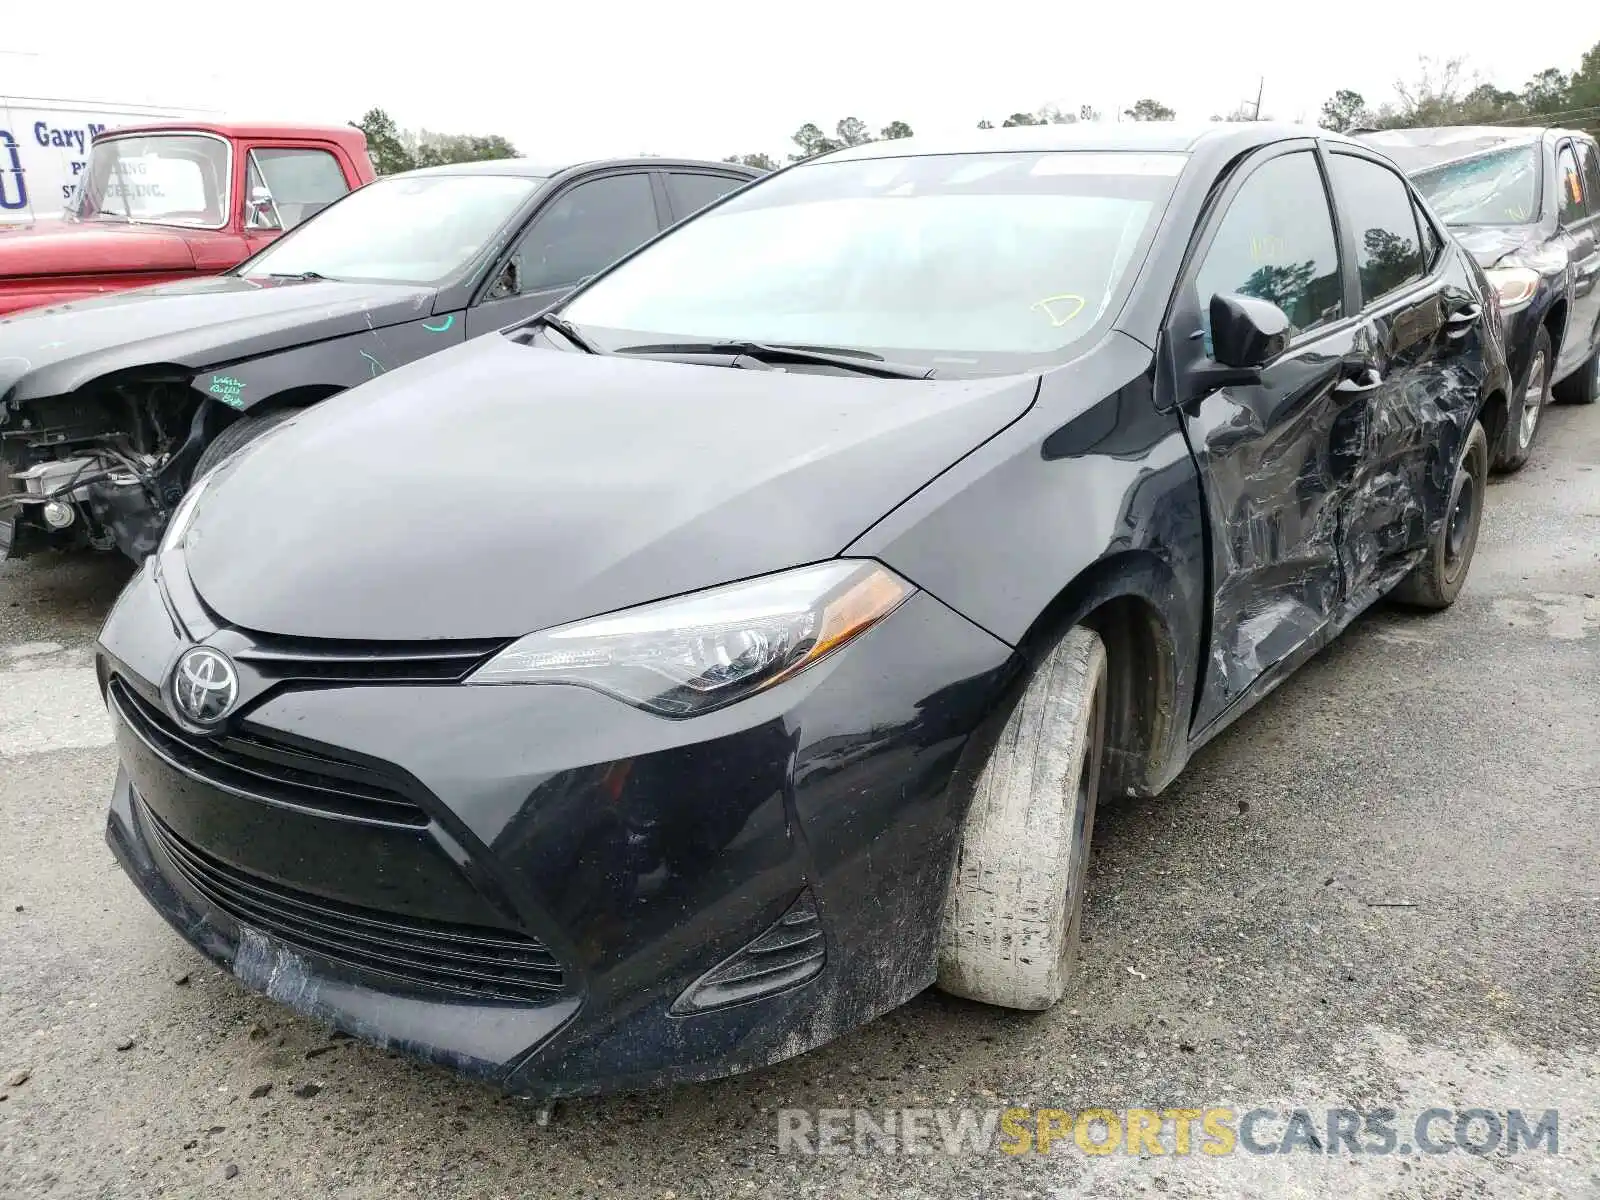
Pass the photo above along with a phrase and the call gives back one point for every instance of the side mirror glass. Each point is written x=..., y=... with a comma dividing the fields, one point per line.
x=1246, y=332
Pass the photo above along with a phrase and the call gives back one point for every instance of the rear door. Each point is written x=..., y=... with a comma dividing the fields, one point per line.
x=1419, y=318
x=577, y=232
x=1578, y=181
x=1274, y=456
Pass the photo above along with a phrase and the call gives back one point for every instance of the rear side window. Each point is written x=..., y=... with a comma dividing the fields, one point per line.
x=586, y=229
x=302, y=182
x=1276, y=243
x=690, y=193
x=1377, y=205
x=1570, y=185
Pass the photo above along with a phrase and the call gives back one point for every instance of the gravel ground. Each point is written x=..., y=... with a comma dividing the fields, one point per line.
x=1381, y=888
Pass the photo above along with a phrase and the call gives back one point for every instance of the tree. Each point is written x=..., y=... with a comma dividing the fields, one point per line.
x=1346, y=110
x=1241, y=112
x=985, y=124
x=850, y=131
x=389, y=154
x=438, y=149
x=760, y=161
x=853, y=131
x=812, y=142
x=1088, y=112
x=1583, y=92
x=1546, y=92
x=893, y=130
x=1149, y=110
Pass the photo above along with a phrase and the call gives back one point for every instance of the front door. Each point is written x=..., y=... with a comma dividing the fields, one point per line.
x=1273, y=456
x=1577, y=178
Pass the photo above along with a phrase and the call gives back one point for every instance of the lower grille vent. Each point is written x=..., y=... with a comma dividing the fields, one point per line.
x=788, y=953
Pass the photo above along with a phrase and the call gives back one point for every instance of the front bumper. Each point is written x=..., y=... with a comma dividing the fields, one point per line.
x=522, y=882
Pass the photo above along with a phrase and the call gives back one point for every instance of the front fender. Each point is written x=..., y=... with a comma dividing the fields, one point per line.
x=332, y=365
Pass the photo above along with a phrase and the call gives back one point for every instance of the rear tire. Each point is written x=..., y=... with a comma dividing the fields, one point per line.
x=1522, y=422
x=1436, y=581
x=1583, y=385
x=237, y=436
x=1010, y=931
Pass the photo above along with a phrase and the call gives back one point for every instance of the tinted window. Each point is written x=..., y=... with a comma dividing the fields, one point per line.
x=1569, y=187
x=587, y=229
x=1591, y=174
x=1276, y=243
x=690, y=193
x=1378, y=207
x=302, y=182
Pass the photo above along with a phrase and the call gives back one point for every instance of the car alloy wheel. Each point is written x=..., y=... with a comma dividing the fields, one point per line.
x=1534, y=398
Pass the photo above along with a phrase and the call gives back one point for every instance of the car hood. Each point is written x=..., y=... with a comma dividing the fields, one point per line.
x=194, y=324
x=497, y=488
x=1488, y=244
x=62, y=247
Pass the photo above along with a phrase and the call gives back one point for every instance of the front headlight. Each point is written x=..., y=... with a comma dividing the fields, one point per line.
x=1516, y=285
x=695, y=653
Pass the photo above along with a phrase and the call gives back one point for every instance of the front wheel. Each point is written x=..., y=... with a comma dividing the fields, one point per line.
x=1010, y=931
x=1523, y=422
x=237, y=436
x=1436, y=581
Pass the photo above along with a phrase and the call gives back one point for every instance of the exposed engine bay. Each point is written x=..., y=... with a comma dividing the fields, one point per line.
x=101, y=468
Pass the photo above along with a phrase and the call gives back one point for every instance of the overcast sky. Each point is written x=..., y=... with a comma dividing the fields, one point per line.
x=715, y=78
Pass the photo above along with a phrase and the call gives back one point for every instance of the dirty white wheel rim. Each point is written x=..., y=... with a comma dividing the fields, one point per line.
x=1532, y=402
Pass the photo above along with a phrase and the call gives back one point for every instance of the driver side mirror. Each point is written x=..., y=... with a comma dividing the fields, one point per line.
x=1247, y=333
x=508, y=284
x=261, y=212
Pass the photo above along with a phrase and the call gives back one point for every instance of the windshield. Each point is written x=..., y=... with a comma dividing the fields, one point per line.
x=167, y=179
x=977, y=263
x=418, y=230
x=1498, y=188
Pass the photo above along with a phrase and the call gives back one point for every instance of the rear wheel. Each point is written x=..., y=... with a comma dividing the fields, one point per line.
x=1436, y=581
x=1583, y=385
x=239, y=435
x=1010, y=930
x=1523, y=421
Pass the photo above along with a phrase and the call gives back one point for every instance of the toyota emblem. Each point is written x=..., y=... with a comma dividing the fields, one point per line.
x=205, y=685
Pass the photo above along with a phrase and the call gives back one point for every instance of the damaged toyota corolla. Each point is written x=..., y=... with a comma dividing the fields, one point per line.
x=665, y=686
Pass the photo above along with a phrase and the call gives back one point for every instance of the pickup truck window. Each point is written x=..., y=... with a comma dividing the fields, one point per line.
x=1377, y=205
x=166, y=179
x=301, y=182
x=1276, y=243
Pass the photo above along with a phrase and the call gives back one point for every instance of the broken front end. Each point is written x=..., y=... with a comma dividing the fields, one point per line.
x=101, y=468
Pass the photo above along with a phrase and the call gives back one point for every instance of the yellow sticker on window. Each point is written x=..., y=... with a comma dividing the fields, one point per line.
x=1060, y=309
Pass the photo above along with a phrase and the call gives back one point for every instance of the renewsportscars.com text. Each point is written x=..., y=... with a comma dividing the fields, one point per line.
x=1168, y=1131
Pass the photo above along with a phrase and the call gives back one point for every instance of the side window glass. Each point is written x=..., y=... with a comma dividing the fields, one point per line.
x=1591, y=176
x=585, y=230
x=1276, y=243
x=1377, y=204
x=1569, y=184
x=1431, y=243
x=690, y=193
x=301, y=182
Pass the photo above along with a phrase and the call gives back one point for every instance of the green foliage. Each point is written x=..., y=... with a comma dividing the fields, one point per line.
x=394, y=149
x=851, y=131
x=1049, y=114
x=760, y=161
x=1149, y=110
x=1346, y=110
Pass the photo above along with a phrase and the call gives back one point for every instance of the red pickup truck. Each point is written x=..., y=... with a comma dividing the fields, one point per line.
x=171, y=200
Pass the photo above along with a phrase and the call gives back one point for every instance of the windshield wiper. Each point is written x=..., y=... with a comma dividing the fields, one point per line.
x=310, y=276
x=861, y=362
x=567, y=330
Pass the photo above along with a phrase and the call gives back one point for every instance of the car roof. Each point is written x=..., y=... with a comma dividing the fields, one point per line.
x=244, y=129
x=1140, y=136
x=531, y=169
x=1435, y=145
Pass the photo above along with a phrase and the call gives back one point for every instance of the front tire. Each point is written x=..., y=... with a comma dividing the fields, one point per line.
x=1522, y=423
x=237, y=436
x=1436, y=581
x=1010, y=931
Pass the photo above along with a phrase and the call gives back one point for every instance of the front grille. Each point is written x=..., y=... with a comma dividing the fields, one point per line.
x=469, y=960
x=261, y=769
x=312, y=660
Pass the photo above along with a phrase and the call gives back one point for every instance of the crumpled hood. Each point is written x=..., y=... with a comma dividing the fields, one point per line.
x=62, y=247
x=1488, y=244
x=194, y=323
x=496, y=488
